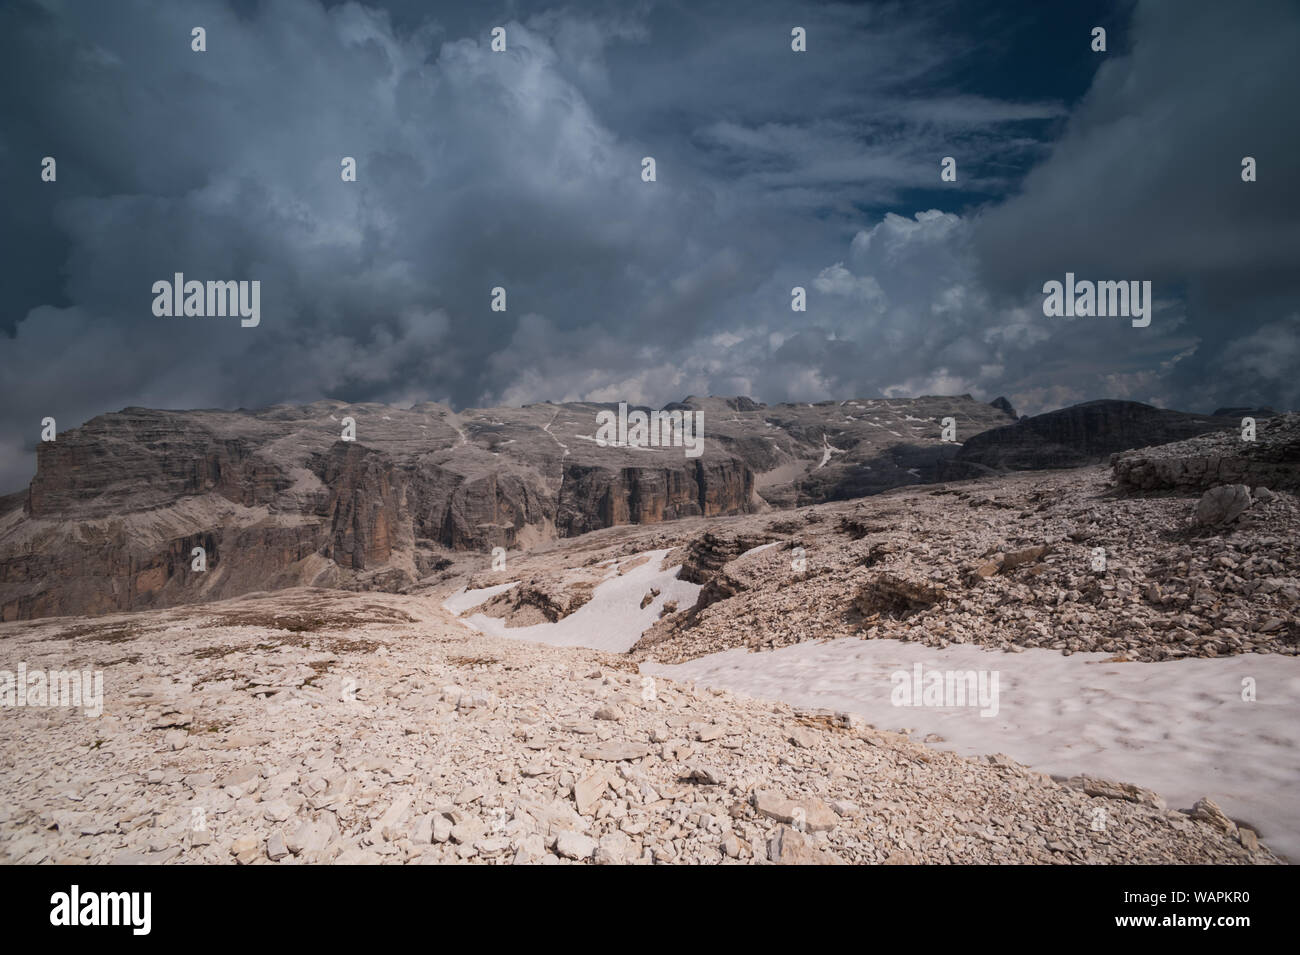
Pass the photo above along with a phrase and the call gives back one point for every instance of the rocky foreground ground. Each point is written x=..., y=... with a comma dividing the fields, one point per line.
x=315, y=726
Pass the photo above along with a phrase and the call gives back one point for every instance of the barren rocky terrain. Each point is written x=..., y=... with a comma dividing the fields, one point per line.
x=331, y=725
x=316, y=726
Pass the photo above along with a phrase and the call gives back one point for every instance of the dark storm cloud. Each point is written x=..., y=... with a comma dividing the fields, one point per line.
x=522, y=169
x=1146, y=183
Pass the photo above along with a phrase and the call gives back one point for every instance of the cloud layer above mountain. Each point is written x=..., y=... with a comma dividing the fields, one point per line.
x=522, y=169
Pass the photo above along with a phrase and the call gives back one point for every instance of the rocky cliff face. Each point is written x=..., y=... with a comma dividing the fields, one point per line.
x=275, y=498
x=592, y=497
x=1082, y=434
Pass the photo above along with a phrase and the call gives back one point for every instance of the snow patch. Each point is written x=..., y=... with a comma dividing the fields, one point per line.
x=1179, y=727
x=612, y=620
x=463, y=599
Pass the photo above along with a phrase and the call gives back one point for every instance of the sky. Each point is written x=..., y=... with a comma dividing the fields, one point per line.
x=523, y=169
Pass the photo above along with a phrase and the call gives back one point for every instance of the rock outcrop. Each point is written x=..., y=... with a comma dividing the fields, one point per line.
x=1272, y=460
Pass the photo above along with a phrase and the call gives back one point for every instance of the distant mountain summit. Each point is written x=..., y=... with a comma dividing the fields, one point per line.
x=1086, y=433
x=1003, y=405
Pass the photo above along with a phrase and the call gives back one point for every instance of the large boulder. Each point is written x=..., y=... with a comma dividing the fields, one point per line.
x=1222, y=505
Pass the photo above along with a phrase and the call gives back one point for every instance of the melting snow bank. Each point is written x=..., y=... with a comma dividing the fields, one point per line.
x=463, y=599
x=612, y=620
x=1179, y=727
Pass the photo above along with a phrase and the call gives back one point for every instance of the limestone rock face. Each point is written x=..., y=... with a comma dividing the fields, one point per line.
x=360, y=500
x=595, y=496
x=276, y=498
x=138, y=459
